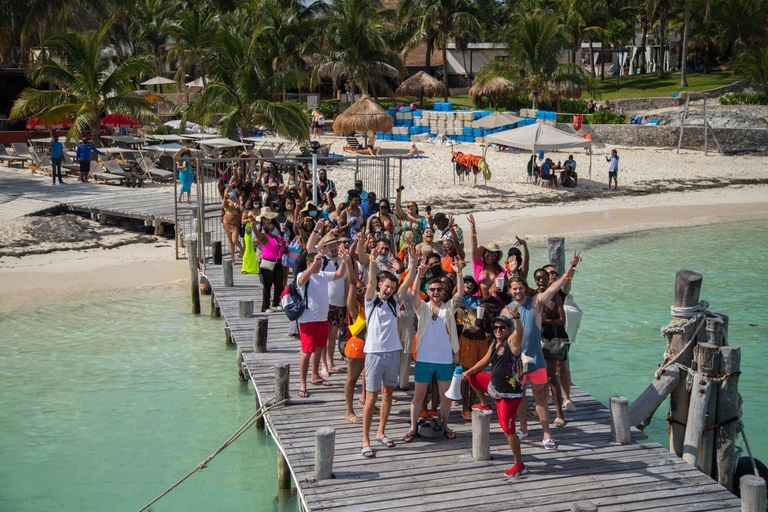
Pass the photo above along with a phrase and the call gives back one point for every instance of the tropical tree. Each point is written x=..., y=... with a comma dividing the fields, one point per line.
x=191, y=32
x=243, y=88
x=754, y=64
x=684, y=56
x=534, y=45
x=87, y=84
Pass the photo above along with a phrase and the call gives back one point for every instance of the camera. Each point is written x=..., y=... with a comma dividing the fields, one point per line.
x=400, y=188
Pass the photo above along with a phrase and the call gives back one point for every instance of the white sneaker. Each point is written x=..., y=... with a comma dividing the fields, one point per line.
x=521, y=435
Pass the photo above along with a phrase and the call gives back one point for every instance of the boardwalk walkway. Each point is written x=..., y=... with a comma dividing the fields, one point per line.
x=440, y=474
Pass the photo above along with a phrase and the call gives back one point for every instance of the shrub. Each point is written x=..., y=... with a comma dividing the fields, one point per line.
x=740, y=98
x=329, y=108
x=515, y=104
x=605, y=117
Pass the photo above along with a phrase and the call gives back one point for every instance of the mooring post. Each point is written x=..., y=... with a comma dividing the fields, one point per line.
x=227, y=336
x=245, y=309
x=557, y=253
x=697, y=410
x=260, y=335
x=283, y=473
x=726, y=417
x=706, y=362
x=753, y=492
x=260, y=422
x=583, y=506
x=194, y=286
x=325, y=442
x=242, y=369
x=215, y=309
x=620, y=431
x=687, y=288
x=481, y=430
x=217, y=253
x=282, y=382
x=227, y=268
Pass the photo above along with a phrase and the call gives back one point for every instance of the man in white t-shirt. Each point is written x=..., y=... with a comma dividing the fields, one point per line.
x=437, y=344
x=313, y=322
x=382, y=347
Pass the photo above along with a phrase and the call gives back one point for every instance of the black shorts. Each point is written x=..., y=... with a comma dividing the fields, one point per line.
x=85, y=166
x=613, y=174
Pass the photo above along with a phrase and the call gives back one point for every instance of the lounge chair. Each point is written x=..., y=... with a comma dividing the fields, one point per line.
x=41, y=163
x=10, y=159
x=354, y=146
x=70, y=165
x=22, y=150
x=153, y=172
x=133, y=178
x=352, y=142
x=105, y=176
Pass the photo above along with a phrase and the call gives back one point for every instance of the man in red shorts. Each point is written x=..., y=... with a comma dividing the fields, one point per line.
x=313, y=322
x=505, y=382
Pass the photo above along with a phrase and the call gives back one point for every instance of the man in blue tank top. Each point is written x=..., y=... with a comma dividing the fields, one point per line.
x=535, y=364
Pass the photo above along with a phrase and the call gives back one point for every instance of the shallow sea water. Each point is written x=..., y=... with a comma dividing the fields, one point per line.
x=109, y=398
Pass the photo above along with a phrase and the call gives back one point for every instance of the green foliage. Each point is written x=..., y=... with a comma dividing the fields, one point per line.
x=328, y=108
x=161, y=130
x=515, y=104
x=754, y=64
x=604, y=117
x=739, y=98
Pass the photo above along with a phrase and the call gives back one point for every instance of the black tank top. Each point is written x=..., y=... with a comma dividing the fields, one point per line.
x=506, y=371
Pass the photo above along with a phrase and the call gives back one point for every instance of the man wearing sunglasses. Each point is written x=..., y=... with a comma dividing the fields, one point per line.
x=437, y=345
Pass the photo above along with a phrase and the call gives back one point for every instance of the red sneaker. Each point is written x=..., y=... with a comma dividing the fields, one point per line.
x=485, y=410
x=516, y=470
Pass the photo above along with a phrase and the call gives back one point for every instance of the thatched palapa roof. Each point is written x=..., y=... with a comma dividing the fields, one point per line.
x=568, y=90
x=420, y=85
x=365, y=116
x=495, y=87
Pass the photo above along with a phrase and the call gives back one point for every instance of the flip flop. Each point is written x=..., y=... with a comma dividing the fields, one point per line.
x=409, y=436
x=549, y=444
x=356, y=421
x=386, y=442
x=449, y=434
x=303, y=393
x=559, y=422
x=321, y=382
x=466, y=416
x=367, y=452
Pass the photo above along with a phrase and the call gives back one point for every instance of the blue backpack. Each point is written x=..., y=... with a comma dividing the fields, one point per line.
x=295, y=304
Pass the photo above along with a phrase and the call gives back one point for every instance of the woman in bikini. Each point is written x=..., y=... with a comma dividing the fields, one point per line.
x=231, y=219
x=410, y=221
x=486, y=264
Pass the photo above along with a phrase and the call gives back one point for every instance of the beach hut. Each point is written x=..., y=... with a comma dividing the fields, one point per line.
x=494, y=88
x=421, y=84
x=365, y=116
x=539, y=136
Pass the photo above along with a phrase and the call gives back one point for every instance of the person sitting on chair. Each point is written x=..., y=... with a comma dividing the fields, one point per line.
x=569, y=171
x=547, y=174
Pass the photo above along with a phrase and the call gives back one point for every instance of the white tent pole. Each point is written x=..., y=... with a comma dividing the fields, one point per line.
x=590, y=161
x=314, y=179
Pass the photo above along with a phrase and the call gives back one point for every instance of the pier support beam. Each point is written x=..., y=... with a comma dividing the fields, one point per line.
x=481, y=430
x=325, y=442
x=282, y=382
x=227, y=267
x=242, y=370
x=727, y=409
x=283, y=473
x=217, y=254
x=215, y=309
x=752, y=494
x=194, y=284
x=620, y=420
x=260, y=422
x=227, y=336
x=260, y=335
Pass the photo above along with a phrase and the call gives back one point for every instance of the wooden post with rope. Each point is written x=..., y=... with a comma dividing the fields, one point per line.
x=727, y=410
x=700, y=435
x=687, y=288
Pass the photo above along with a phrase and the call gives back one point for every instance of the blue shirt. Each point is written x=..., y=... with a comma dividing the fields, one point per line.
x=83, y=152
x=613, y=165
x=545, y=169
x=56, y=150
x=531, y=336
x=370, y=209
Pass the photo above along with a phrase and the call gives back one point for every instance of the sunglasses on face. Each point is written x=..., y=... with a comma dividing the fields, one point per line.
x=553, y=273
x=539, y=278
x=500, y=327
x=435, y=290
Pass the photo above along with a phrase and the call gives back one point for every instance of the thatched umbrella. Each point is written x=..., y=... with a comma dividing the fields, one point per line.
x=364, y=116
x=564, y=89
x=420, y=85
x=494, y=88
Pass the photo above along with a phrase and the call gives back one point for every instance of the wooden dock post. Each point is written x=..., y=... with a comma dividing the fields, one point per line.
x=687, y=288
x=245, y=309
x=620, y=431
x=260, y=423
x=583, y=506
x=697, y=411
x=242, y=370
x=753, y=491
x=227, y=336
x=706, y=361
x=283, y=473
x=260, y=335
x=215, y=309
x=727, y=410
x=282, y=382
x=325, y=443
x=217, y=253
x=481, y=431
x=227, y=267
x=194, y=283
x=557, y=253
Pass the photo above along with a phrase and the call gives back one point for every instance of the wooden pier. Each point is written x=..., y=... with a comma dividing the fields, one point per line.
x=441, y=474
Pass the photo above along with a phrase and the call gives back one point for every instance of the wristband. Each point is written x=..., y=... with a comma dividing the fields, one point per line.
x=473, y=234
x=567, y=278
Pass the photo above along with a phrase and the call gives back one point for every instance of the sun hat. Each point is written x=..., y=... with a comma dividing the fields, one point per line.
x=492, y=247
x=307, y=206
x=266, y=213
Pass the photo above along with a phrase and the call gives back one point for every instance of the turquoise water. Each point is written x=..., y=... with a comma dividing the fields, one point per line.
x=109, y=398
x=625, y=287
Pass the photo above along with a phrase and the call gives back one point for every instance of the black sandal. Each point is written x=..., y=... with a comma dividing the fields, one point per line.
x=410, y=436
x=449, y=434
x=303, y=393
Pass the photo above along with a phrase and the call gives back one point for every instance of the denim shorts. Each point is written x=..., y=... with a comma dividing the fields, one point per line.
x=424, y=372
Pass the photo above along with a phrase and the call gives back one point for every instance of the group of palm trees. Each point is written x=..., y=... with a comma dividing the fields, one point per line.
x=253, y=52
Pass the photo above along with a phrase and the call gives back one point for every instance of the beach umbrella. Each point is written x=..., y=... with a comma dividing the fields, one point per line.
x=120, y=121
x=37, y=124
x=494, y=88
x=365, y=116
x=158, y=80
x=198, y=82
x=496, y=120
x=421, y=84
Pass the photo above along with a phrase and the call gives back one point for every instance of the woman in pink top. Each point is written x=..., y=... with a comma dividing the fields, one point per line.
x=266, y=232
x=486, y=263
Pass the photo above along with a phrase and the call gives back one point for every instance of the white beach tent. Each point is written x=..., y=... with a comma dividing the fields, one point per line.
x=539, y=136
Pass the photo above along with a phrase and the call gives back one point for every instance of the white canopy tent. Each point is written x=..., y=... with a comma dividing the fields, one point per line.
x=539, y=136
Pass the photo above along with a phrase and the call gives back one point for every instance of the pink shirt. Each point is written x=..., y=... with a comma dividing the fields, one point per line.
x=272, y=249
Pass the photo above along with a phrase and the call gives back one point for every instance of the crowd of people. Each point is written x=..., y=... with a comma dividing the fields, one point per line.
x=392, y=287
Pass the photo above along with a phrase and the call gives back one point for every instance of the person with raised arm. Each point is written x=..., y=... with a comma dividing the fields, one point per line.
x=356, y=328
x=382, y=348
x=530, y=308
x=486, y=262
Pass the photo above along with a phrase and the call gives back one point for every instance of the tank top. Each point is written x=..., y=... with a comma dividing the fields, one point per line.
x=531, y=336
x=506, y=372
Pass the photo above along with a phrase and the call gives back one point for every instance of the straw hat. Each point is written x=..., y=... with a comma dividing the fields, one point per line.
x=307, y=206
x=266, y=213
x=490, y=248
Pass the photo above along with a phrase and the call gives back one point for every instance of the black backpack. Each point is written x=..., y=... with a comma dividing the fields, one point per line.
x=296, y=304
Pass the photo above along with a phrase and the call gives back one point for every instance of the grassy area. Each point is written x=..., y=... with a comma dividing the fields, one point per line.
x=647, y=86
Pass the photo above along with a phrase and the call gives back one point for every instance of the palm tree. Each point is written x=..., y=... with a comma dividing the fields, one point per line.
x=534, y=44
x=444, y=18
x=87, y=84
x=754, y=64
x=243, y=89
x=684, y=56
x=356, y=37
x=192, y=34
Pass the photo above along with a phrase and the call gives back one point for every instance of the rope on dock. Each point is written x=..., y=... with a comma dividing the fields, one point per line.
x=697, y=313
x=261, y=411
